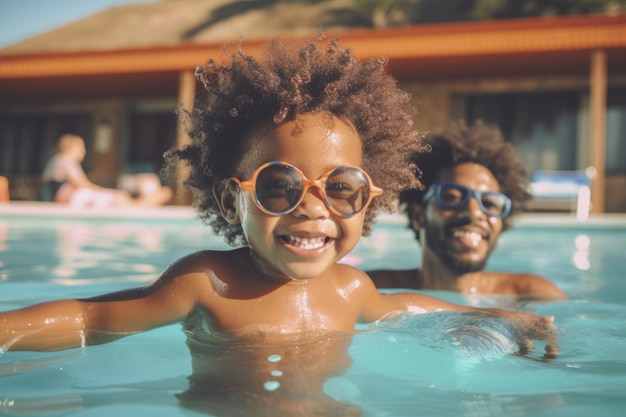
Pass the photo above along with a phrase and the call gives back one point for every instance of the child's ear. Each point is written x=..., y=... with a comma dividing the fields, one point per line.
x=225, y=193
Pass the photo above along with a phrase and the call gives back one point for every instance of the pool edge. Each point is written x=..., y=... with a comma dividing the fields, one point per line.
x=19, y=209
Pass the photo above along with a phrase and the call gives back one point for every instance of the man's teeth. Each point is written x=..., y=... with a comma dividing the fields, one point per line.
x=474, y=237
x=306, y=242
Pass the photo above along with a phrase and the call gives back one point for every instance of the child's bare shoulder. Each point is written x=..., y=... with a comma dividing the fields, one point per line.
x=349, y=276
x=343, y=268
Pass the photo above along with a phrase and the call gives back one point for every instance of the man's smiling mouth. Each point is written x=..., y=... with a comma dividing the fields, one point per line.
x=469, y=238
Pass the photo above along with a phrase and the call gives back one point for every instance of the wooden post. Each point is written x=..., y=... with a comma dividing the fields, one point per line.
x=597, y=93
x=4, y=190
x=186, y=94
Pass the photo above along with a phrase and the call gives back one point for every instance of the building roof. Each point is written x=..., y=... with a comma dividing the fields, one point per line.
x=175, y=22
x=137, y=49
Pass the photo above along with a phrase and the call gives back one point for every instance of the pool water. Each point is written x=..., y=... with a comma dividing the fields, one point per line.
x=411, y=367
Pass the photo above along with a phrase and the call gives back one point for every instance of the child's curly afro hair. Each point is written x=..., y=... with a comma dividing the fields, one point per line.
x=292, y=79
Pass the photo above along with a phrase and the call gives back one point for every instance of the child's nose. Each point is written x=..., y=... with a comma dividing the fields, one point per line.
x=313, y=204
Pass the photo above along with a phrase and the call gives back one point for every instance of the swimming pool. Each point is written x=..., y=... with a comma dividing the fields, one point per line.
x=410, y=368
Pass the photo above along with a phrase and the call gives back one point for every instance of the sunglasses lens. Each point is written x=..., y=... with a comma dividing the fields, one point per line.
x=347, y=190
x=493, y=203
x=452, y=196
x=278, y=188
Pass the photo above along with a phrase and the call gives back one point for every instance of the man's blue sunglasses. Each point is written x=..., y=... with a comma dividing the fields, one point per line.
x=452, y=196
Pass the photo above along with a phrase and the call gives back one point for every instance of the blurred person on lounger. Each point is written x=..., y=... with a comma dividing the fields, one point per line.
x=65, y=181
x=473, y=184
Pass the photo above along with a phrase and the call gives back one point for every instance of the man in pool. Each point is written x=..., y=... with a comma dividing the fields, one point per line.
x=473, y=185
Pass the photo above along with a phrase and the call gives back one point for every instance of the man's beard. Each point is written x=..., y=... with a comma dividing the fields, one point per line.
x=449, y=258
x=460, y=265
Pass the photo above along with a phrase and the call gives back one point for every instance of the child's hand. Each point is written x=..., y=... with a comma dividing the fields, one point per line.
x=528, y=328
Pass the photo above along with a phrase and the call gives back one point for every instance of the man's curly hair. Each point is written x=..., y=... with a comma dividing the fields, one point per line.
x=292, y=79
x=480, y=143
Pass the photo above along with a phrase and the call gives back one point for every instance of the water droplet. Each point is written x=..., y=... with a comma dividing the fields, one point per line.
x=271, y=385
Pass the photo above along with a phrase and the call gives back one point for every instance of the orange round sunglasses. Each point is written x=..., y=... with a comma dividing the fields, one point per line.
x=278, y=188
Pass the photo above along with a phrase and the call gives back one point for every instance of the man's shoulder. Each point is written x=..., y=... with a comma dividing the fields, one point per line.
x=523, y=283
x=504, y=278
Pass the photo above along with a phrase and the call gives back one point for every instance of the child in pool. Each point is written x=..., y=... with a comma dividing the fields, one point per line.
x=280, y=156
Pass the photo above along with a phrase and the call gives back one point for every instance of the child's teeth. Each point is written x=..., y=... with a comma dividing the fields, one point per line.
x=307, y=242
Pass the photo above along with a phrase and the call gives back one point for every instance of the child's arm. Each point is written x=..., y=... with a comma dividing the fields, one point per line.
x=48, y=326
x=65, y=324
x=529, y=327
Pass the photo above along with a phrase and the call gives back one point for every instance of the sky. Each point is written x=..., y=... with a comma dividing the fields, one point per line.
x=21, y=19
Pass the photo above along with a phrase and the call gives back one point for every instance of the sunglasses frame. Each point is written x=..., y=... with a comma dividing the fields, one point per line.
x=250, y=186
x=435, y=189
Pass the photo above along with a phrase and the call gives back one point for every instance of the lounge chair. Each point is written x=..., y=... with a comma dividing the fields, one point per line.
x=562, y=191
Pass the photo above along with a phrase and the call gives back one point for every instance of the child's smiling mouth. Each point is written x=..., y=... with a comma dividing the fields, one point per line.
x=306, y=242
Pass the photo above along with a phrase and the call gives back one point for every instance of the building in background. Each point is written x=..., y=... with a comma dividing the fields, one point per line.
x=555, y=86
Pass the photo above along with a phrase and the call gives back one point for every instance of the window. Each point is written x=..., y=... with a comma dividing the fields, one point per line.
x=616, y=131
x=151, y=134
x=541, y=126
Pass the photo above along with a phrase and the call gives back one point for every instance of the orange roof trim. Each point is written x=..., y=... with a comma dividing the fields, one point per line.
x=522, y=36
